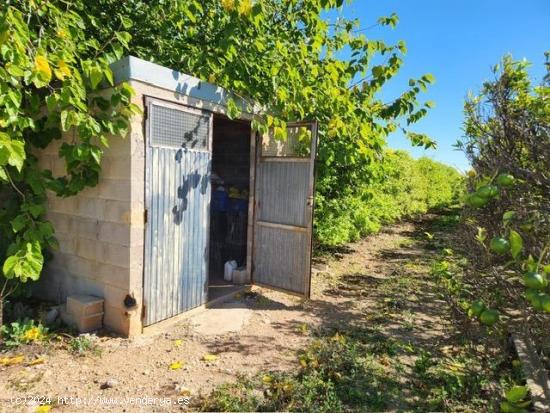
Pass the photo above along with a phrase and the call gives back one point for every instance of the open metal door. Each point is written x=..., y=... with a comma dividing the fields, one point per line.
x=283, y=216
x=177, y=196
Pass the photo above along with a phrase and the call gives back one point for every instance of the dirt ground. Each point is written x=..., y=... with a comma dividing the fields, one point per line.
x=274, y=326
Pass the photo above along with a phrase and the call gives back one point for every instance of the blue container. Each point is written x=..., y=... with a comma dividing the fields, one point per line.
x=220, y=201
x=238, y=205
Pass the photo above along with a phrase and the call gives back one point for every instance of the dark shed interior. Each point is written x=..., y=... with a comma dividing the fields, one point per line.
x=230, y=193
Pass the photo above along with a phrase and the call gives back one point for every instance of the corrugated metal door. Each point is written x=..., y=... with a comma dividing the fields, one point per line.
x=284, y=209
x=178, y=169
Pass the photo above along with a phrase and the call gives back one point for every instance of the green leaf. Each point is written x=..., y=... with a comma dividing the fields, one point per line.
x=516, y=394
x=64, y=115
x=508, y=216
x=26, y=263
x=19, y=222
x=12, y=151
x=124, y=38
x=516, y=243
x=96, y=76
x=126, y=22
x=36, y=210
x=233, y=110
x=481, y=235
x=109, y=76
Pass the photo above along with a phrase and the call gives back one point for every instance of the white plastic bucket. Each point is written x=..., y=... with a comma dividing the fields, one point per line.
x=228, y=270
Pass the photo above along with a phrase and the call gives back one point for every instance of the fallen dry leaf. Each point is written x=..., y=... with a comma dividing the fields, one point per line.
x=176, y=365
x=185, y=392
x=39, y=360
x=210, y=357
x=45, y=408
x=10, y=361
x=178, y=343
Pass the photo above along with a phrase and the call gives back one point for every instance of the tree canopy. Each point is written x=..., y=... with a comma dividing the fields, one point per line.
x=282, y=56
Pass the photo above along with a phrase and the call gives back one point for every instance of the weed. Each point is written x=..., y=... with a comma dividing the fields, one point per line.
x=23, y=332
x=337, y=373
x=82, y=344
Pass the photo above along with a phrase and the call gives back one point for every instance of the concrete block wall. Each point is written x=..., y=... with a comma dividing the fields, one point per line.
x=99, y=231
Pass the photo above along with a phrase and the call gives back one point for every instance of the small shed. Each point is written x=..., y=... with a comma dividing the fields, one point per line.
x=186, y=191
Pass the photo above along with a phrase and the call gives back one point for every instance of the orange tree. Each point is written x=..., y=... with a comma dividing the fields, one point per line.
x=507, y=139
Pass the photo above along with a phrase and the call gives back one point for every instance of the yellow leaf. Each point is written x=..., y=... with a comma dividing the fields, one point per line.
x=61, y=33
x=267, y=378
x=209, y=357
x=178, y=343
x=339, y=338
x=42, y=66
x=176, y=365
x=185, y=392
x=45, y=408
x=62, y=70
x=39, y=360
x=10, y=361
x=287, y=387
x=228, y=5
x=245, y=7
x=32, y=334
x=4, y=36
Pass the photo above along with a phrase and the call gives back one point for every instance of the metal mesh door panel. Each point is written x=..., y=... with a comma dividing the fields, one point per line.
x=176, y=128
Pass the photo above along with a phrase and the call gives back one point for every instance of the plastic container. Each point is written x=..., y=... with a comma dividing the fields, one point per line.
x=228, y=270
x=238, y=205
x=240, y=276
x=220, y=200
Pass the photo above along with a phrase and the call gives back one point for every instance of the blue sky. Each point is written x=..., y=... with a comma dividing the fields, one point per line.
x=458, y=42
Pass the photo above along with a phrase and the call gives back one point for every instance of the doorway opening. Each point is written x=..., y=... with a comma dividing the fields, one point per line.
x=230, y=183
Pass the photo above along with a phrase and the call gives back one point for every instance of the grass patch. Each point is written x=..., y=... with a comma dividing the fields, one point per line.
x=336, y=373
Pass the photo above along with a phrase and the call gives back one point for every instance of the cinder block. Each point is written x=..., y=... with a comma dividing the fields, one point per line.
x=114, y=189
x=116, y=276
x=116, y=320
x=114, y=233
x=58, y=167
x=62, y=223
x=62, y=205
x=87, y=228
x=89, y=207
x=67, y=244
x=81, y=267
x=115, y=254
x=89, y=249
x=116, y=167
x=116, y=211
x=89, y=323
x=82, y=306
